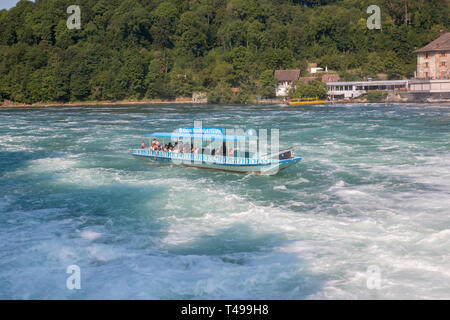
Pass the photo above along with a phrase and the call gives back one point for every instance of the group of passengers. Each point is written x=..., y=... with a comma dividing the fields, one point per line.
x=181, y=147
x=156, y=146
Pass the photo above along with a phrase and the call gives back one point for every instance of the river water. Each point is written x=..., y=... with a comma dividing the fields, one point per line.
x=364, y=215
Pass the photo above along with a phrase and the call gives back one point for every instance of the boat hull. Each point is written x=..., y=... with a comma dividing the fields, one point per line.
x=269, y=168
x=300, y=103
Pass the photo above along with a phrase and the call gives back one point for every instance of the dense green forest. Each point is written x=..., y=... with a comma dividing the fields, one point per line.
x=136, y=49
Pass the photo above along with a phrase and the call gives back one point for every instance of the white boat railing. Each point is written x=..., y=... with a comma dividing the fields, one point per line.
x=276, y=154
x=189, y=157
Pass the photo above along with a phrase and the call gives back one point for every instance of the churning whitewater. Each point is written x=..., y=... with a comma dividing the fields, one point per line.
x=372, y=193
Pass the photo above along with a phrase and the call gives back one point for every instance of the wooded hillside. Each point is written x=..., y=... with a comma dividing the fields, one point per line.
x=134, y=49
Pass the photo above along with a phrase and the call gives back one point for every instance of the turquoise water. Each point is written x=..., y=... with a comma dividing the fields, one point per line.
x=373, y=189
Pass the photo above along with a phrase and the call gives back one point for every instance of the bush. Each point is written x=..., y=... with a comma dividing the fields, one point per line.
x=309, y=90
x=223, y=93
x=376, y=96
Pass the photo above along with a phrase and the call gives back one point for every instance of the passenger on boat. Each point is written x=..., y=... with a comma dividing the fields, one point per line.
x=218, y=152
x=143, y=144
x=185, y=148
x=156, y=146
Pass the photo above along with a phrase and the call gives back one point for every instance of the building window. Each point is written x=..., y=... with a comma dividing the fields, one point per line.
x=426, y=55
x=426, y=74
x=443, y=64
x=426, y=64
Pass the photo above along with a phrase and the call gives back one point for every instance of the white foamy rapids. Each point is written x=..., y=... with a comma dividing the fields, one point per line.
x=336, y=251
x=363, y=197
x=429, y=170
x=57, y=164
x=71, y=170
x=90, y=235
x=17, y=143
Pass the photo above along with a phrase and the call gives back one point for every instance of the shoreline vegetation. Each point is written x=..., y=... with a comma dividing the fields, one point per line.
x=11, y=104
x=189, y=101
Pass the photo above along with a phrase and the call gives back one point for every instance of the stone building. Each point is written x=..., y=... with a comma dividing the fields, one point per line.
x=433, y=59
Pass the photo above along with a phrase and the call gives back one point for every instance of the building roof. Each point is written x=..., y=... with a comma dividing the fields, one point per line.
x=333, y=77
x=198, y=136
x=440, y=44
x=307, y=79
x=287, y=75
x=199, y=133
x=368, y=83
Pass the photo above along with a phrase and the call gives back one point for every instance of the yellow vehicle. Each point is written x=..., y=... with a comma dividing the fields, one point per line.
x=302, y=101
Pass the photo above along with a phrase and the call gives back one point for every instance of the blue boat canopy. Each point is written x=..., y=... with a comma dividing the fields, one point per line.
x=200, y=136
x=200, y=130
x=198, y=133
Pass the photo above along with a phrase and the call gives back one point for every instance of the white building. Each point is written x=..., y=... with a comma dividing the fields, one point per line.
x=355, y=89
x=285, y=78
x=315, y=70
x=432, y=86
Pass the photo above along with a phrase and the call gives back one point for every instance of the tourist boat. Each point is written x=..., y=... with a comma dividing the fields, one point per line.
x=204, y=157
x=303, y=101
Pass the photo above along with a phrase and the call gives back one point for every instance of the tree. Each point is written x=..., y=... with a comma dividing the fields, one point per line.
x=374, y=65
x=267, y=84
x=133, y=49
x=278, y=58
x=192, y=33
x=315, y=89
x=164, y=18
x=393, y=65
